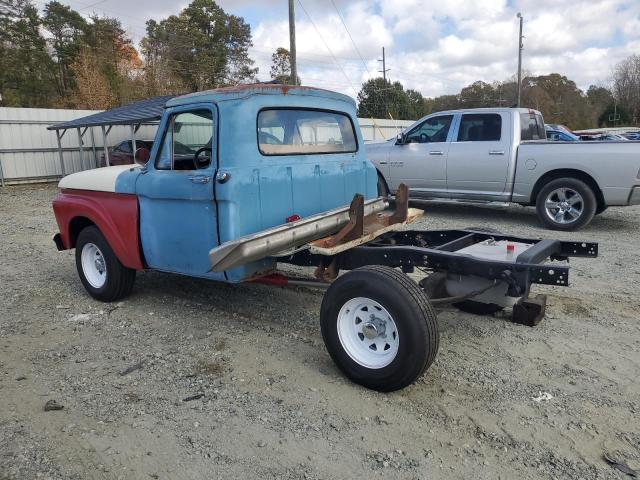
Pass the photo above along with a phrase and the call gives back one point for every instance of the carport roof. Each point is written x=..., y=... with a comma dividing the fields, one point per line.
x=143, y=111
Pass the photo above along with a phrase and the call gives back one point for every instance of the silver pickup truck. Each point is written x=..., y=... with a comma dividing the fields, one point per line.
x=501, y=155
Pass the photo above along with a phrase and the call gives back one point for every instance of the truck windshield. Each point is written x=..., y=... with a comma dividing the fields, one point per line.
x=531, y=127
x=304, y=132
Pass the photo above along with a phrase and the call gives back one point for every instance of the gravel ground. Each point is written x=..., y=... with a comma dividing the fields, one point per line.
x=266, y=400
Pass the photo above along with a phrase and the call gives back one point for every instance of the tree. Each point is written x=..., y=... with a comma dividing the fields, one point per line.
x=608, y=117
x=67, y=27
x=202, y=47
x=380, y=99
x=26, y=70
x=108, y=58
x=92, y=90
x=626, y=85
x=281, y=67
x=417, y=107
x=599, y=98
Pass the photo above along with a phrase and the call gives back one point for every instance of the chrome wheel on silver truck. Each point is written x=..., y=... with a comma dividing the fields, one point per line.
x=379, y=327
x=566, y=204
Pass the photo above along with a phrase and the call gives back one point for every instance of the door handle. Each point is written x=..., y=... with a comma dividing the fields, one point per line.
x=436, y=152
x=199, y=179
x=496, y=152
x=383, y=163
x=223, y=177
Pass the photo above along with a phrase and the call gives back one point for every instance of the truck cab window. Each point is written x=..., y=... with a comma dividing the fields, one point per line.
x=305, y=132
x=432, y=130
x=187, y=142
x=531, y=127
x=480, y=127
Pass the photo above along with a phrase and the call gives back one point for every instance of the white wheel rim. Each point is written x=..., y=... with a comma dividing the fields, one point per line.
x=94, y=266
x=368, y=333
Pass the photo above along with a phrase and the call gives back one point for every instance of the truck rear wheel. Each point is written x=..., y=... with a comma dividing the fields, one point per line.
x=566, y=204
x=379, y=327
x=100, y=271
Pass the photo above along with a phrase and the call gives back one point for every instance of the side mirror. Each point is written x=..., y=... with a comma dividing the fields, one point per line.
x=401, y=139
x=142, y=156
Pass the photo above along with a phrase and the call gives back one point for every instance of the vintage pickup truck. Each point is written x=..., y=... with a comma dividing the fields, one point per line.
x=278, y=175
x=501, y=155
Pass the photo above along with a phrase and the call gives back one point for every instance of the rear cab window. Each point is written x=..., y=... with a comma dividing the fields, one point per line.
x=480, y=127
x=532, y=127
x=286, y=131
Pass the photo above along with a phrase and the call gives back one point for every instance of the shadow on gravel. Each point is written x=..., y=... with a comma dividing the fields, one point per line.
x=513, y=216
x=509, y=215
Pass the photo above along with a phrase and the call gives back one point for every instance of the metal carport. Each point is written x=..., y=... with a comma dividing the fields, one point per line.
x=143, y=112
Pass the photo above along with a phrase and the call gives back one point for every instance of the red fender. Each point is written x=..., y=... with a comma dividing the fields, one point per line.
x=115, y=214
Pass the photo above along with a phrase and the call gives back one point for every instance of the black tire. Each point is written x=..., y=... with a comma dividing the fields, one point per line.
x=415, y=320
x=383, y=190
x=589, y=203
x=478, y=308
x=119, y=279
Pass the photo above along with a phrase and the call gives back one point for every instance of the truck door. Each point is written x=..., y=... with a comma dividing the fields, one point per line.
x=178, y=218
x=478, y=160
x=421, y=161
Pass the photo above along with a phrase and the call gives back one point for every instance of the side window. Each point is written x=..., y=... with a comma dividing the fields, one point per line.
x=432, y=130
x=124, y=147
x=187, y=142
x=480, y=127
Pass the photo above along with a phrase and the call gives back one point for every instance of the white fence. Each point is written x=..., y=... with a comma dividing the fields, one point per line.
x=29, y=152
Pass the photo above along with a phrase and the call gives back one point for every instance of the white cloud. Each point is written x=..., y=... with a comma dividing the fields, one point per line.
x=434, y=46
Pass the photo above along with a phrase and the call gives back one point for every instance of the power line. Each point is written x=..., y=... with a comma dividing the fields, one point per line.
x=327, y=46
x=351, y=38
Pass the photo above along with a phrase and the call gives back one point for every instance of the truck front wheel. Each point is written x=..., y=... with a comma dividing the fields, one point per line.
x=383, y=191
x=100, y=271
x=379, y=327
x=566, y=204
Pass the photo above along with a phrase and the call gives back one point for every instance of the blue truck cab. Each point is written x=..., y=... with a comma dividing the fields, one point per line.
x=265, y=154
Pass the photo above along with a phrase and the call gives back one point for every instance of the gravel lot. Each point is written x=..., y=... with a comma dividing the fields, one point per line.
x=274, y=405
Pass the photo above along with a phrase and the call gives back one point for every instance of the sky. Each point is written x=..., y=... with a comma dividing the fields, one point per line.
x=434, y=46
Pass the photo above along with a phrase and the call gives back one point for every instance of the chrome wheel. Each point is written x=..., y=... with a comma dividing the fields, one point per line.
x=368, y=333
x=94, y=266
x=564, y=205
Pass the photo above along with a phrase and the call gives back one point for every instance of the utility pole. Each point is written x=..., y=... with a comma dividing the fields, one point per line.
x=384, y=66
x=384, y=76
x=292, y=43
x=520, y=46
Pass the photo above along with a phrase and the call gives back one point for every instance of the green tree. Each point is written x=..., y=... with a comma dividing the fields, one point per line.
x=202, y=47
x=281, y=67
x=381, y=99
x=615, y=116
x=67, y=28
x=417, y=106
x=26, y=70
